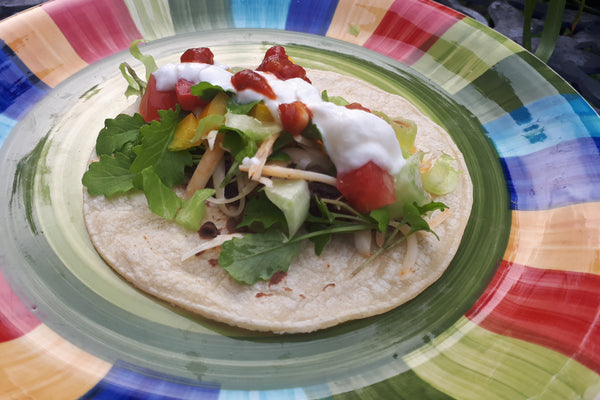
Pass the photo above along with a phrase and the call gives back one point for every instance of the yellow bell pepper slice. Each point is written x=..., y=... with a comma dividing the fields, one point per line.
x=184, y=133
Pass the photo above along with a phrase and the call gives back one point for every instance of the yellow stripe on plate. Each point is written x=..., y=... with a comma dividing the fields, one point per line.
x=565, y=238
x=456, y=59
x=42, y=365
x=470, y=362
x=40, y=44
x=355, y=21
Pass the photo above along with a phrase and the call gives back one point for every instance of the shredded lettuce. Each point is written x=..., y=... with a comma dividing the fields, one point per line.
x=137, y=85
x=405, y=130
x=146, y=59
x=409, y=186
x=250, y=126
x=442, y=177
x=337, y=100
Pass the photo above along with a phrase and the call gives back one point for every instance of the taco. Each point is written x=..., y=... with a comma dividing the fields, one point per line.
x=271, y=239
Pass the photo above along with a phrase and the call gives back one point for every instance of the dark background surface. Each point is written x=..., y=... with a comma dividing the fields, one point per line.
x=576, y=57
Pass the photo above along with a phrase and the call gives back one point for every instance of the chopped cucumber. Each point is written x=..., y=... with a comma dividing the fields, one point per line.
x=292, y=197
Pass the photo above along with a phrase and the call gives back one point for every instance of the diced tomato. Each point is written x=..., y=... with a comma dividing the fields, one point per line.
x=154, y=100
x=198, y=55
x=277, y=62
x=367, y=188
x=294, y=117
x=186, y=100
x=357, y=106
x=248, y=79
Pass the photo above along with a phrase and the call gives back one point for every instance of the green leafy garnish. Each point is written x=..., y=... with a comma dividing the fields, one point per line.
x=206, y=91
x=192, y=211
x=153, y=150
x=257, y=256
x=109, y=176
x=162, y=200
x=260, y=214
x=237, y=108
x=413, y=215
x=117, y=132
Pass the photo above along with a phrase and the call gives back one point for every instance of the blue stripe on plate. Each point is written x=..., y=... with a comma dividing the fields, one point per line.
x=543, y=124
x=125, y=381
x=6, y=125
x=311, y=16
x=564, y=174
x=20, y=87
x=283, y=394
x=269, y=14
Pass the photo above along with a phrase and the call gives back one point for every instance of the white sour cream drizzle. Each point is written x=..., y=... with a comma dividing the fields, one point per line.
x=352, y=137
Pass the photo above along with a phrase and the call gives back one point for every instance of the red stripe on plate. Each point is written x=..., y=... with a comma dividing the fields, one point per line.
x=410, y=28
x=95, y=28
x=556, y=309
x=15, y=318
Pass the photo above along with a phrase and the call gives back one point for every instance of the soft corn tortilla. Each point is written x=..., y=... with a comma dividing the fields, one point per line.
x=317, y=292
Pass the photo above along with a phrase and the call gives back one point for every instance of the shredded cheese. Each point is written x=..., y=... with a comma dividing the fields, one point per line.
x=277, y=171
x=205, y=168
x=264, y=150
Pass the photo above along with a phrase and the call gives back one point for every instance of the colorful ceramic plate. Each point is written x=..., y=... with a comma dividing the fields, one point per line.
x=516, y=315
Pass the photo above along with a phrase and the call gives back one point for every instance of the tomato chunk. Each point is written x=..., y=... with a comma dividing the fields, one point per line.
x=154, y=100
x=368, y=187
x=198, y=55
x=357, y=106
x=248, y=79
x=186, y=100
x=277, y=62
x=294, y=117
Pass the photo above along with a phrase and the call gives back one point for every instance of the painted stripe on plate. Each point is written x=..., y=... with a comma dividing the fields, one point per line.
x=310, y=16
x=559, y=310
x=456, y=59
x=6, y=125
x=355, y=21
x=404, y=386
x=269, y=14
x=567, y=173
x=542, y=124
x=200, y=15
x=469, y=362
x=41, y=46
x=283, y=394
x=510, y=84
x=20, y=88
x=95, y=29
x=42, y=365
x=410, y=28
x=15, y=318
x=152, y=18
x=565, y=238
x=127, y=381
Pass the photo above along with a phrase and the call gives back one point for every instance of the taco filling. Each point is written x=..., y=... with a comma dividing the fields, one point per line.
x=275, y=198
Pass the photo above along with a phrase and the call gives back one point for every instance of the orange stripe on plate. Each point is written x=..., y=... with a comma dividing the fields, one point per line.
x=42, y=365
x=355, y=21
x=38, y=42
x=565, y=238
